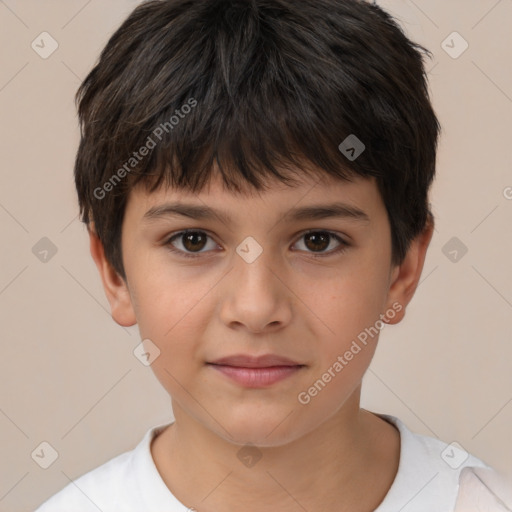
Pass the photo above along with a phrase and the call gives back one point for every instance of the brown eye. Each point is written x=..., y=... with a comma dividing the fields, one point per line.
x=317, y=241
x=193, y=241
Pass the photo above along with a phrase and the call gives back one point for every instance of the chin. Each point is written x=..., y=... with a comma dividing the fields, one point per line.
x=263, y=430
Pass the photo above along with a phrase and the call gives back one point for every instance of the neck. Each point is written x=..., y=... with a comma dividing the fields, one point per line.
x=331, y=466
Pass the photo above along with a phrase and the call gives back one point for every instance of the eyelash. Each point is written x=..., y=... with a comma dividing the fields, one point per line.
x=342, y=248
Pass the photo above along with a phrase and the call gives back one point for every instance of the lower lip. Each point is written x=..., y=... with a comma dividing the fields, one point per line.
x=257, y=377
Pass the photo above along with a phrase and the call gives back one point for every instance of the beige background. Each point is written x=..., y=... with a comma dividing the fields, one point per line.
x=69, y=376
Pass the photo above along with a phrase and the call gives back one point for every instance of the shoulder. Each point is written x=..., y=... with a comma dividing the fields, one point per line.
x=429, y=472
x=483, y=490
x=113, y=486
x=94, y=490
x=421, y=451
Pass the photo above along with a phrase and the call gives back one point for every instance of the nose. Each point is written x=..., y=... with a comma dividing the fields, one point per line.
x=255, y=295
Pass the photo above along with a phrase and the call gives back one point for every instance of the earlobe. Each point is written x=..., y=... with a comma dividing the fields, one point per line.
x=114, y=285
x=405, y=277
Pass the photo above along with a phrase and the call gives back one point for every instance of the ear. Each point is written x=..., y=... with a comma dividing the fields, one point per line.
x=114, y=285
x=405, y=277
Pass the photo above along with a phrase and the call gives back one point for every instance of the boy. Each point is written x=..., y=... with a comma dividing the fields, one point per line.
x=263, y=128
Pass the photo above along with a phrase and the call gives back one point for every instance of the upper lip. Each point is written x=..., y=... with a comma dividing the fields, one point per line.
x=247, y=361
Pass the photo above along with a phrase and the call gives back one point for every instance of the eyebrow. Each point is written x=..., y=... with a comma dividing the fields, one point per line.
x=313, y=212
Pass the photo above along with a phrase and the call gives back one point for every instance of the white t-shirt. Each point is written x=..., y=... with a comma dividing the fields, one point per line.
x=429, y=479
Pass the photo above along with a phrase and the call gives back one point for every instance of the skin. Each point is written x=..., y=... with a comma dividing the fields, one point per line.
x=328, y=454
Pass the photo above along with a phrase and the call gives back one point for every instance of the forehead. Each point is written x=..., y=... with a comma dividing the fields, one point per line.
x=357, y=198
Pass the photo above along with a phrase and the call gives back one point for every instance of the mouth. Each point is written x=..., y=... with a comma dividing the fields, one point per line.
x=256, y=372
x=257, y=377
x=248, y=361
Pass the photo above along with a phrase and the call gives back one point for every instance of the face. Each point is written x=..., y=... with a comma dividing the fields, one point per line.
x=260, y=281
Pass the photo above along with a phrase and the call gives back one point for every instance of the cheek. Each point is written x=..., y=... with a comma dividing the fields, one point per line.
x=173, y=311
x=348, y=304
x=349, y=310
x=169, y=300
x=345, y=347
x=174, y=326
